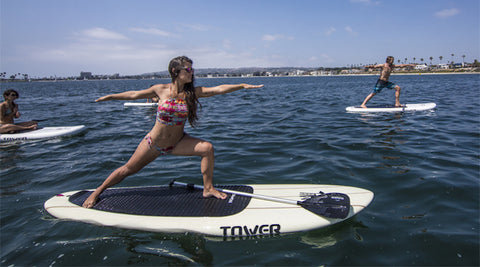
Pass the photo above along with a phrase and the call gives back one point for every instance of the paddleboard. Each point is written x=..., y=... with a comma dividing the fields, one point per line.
x=174, y=209
x=139, y=104
x=42, y=133
x=392, y=108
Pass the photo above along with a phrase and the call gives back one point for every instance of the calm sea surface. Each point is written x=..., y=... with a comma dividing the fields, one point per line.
x=424, y=168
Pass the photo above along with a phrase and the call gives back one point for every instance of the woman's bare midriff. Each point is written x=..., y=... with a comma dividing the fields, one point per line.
x=165, y=135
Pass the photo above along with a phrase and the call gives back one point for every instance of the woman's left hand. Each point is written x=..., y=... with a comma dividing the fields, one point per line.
x=249, y=86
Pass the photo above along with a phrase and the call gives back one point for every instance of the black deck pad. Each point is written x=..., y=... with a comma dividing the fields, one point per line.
x=167, y=201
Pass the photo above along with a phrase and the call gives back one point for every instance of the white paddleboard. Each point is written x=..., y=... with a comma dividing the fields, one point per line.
x=392, y=108
x=190, y=212
x=42, y=133
x=139, y=104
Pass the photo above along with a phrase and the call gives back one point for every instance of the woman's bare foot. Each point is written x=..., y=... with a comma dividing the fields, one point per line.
x=214, y=193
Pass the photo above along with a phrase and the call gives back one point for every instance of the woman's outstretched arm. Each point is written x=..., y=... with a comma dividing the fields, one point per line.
x=129, y=95
x=223, y=89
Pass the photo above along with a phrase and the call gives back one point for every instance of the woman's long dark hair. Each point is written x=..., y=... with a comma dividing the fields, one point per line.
x=174, y=68
x=8, y=92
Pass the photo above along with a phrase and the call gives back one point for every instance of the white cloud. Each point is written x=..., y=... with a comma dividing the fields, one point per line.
x=227, y=44
x=269, y=37
x=275, y=37
x=208, y=57
x=330, y=31
x=152, y=31
x=98, y=52
x=102, y=34
x=326, y=59
x=102, y=51
x=446, y=13
x=197, y=27
x=350, y=30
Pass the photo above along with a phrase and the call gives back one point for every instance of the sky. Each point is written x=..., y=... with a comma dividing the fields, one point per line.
x=44, y=38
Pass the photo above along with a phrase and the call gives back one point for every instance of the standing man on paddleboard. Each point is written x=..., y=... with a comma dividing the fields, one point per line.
x=9, y=112
x=383, y=82
x=177, y=102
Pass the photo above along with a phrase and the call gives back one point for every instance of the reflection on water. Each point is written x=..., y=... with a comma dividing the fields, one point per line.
x=173, y=248
x=13, y=189
x=10, y=154
x=327, y=237
x=387, y=138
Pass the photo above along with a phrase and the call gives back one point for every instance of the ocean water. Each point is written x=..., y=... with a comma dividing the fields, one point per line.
x=424, y=168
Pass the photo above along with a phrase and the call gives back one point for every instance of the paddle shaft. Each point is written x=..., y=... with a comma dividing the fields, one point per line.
x=275, y=199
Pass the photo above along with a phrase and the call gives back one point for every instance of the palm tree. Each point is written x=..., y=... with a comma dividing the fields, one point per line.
x=431, y=58
x=414, y=60
x=440, y=57
x=406, y=60
x=463, y=60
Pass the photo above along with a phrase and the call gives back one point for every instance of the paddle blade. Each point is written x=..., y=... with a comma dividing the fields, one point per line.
x=331, y=205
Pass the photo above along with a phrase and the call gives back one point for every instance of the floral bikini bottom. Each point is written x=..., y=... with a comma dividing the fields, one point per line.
x=163, y=150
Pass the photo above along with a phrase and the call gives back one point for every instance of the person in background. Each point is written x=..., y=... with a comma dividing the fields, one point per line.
x=178, y=102
x=152, y=100
x=9, y=112
x=382, y=82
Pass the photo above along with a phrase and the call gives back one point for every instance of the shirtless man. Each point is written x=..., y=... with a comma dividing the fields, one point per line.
x=383, y=82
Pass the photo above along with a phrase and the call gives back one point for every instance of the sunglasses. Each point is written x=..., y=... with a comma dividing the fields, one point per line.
x=189, y=70
x=13, y=94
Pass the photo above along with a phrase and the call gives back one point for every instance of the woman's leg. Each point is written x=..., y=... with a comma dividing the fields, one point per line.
x=12, y=128
x=27, y=123
x=142, y=156
x=191, y=146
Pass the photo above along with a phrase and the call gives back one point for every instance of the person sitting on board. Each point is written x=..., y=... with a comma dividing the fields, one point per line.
x=383, y=82
x=9, y=112
x=152, y=100
x=178, y=101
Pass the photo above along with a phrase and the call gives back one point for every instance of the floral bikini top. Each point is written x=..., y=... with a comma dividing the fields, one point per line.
x=172, y=112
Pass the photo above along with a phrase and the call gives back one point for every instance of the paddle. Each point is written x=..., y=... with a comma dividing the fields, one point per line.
x=331, y=205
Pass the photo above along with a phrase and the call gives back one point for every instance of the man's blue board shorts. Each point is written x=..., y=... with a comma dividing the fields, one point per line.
x=382, y=84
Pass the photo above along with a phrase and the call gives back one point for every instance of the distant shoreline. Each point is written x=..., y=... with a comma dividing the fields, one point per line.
x=241, y=77
x=347, y=75
x=410, y=73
